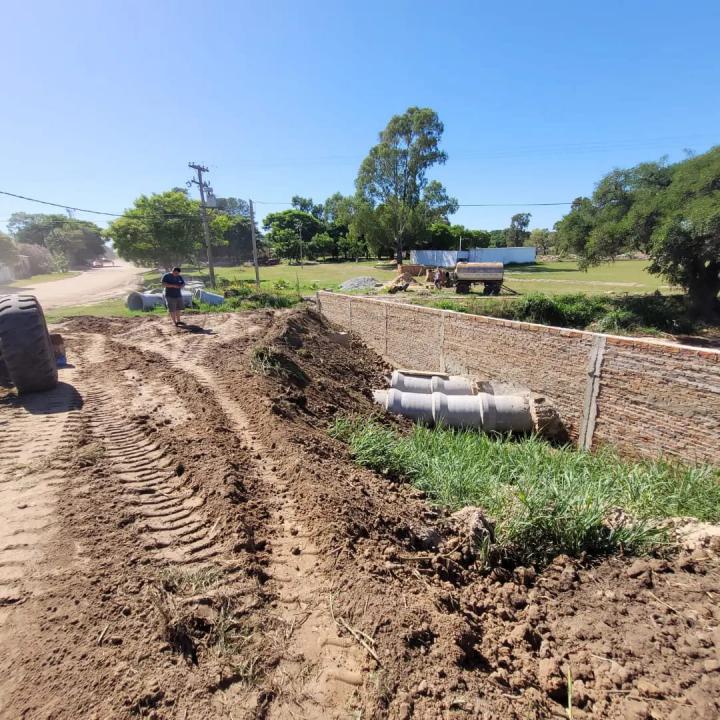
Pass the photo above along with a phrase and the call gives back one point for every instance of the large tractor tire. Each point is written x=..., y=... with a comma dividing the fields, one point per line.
x=25, y=344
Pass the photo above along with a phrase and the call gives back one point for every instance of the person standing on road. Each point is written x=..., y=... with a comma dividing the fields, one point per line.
x=173, y=284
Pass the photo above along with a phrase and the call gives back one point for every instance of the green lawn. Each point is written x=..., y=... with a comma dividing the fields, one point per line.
x=107, y=308
x=313, y=277
x=623, y=276
x=47, y=277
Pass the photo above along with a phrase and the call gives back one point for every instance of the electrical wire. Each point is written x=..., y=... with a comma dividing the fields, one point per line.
x=93, y=212
x=168, y=216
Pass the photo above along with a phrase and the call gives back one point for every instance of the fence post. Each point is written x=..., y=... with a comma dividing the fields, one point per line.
x=592, y=388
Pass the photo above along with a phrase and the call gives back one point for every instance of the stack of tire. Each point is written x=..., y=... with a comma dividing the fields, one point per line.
x=27, y=359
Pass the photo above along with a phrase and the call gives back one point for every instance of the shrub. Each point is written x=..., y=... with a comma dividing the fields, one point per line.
x=38, y=259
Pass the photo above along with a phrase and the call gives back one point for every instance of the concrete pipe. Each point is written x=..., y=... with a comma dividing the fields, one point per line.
x=499, y=413
x=144, y=301
x=203, y=296
x=428, y=383
x=187, y=298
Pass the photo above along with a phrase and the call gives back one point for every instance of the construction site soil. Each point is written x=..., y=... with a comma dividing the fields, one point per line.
x=181, y=538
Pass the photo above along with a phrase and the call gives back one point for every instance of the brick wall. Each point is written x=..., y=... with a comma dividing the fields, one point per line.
x=645, y=398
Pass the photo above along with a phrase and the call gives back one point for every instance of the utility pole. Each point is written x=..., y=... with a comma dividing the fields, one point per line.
x=254, y=242
x=298, y=226
x=203, y=216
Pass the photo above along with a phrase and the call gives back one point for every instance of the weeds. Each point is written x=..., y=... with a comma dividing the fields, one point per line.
x=266, y=361
x=545, y=500
x=637, y=313
x=191, y=582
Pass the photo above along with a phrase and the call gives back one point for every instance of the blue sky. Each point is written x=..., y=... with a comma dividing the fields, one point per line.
x=105, y=100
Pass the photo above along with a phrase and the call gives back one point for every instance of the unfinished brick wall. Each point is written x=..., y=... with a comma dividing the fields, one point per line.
x=642, y=397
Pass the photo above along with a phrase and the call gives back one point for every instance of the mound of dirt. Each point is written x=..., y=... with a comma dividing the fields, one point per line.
x=202, y=548
x=452, y=638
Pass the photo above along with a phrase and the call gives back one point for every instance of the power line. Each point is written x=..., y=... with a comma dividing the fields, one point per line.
x=94, y=212
x=257, y=202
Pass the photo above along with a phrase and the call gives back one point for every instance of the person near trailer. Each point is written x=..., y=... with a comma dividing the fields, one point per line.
x=437, y=278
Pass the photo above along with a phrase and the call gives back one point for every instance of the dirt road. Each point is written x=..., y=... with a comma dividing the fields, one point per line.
x=88, y=287
x=180, y=538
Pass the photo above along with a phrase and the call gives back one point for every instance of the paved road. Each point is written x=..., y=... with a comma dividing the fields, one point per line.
x=88, y=287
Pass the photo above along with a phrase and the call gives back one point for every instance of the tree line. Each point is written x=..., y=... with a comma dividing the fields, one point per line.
x=670, y=211
x=44, y=243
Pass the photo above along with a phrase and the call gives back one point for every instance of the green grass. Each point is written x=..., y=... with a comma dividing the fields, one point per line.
x=118, y=308
x=564, y=276
x=545, y=500
x=623, y=276
x=640, y=314
x=47, y=277
x=318, y=276
x=107, y=308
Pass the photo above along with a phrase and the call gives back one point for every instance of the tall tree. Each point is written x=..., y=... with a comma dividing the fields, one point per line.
x=670, y=211
x=288, y=228
x=394, y=175
x=541, y=238
x=71, y=241
x=307, y=205
x=161, y=229
x=517, y=233
x=8, y=250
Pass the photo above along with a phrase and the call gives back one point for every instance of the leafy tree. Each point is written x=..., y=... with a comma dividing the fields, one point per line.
x=77, y=244
x=232, y=235
x=322, y=245
x=394, y=176
x=498, y=238
x=517, y=233
x=287, y=228
x=8, y=250
x=670, y=211
x=161, y=229
x=352, y=248
x=33, y=228
x=77, y=241
x=307, y=205
x=542, y=239
x=475, y=238
x=34, y=259
x=233, y=206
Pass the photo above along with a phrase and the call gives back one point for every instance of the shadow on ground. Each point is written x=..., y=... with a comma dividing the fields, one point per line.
x=63, y=398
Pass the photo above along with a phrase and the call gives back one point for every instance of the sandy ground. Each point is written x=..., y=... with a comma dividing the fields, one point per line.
x=180, y=538
x=90, y=286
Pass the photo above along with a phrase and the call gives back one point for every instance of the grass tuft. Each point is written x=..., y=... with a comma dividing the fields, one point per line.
x=545, y=500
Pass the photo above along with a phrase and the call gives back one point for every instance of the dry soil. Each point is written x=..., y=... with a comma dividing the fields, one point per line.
x=180, y=538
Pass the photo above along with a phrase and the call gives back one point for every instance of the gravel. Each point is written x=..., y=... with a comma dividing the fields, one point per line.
x=360, y=283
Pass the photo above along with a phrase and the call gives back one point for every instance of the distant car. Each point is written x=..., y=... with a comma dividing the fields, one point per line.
x=97, y=264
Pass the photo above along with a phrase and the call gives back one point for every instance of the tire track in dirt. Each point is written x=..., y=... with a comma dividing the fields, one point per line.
x=319, y=672
x=34, y=430
x=167, y=514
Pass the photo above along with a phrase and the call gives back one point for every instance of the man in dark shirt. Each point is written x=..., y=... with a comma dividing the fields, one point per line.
x=173, y=284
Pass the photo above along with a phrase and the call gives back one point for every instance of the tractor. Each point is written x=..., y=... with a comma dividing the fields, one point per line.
x=27, y=356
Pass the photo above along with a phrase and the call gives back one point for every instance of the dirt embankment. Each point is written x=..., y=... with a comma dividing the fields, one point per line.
x=212, y=552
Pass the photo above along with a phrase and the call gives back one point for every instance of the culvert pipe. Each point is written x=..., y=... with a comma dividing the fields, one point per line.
x=144, y=301
x=498, y=413
x=427, y=383
x=203, y=296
